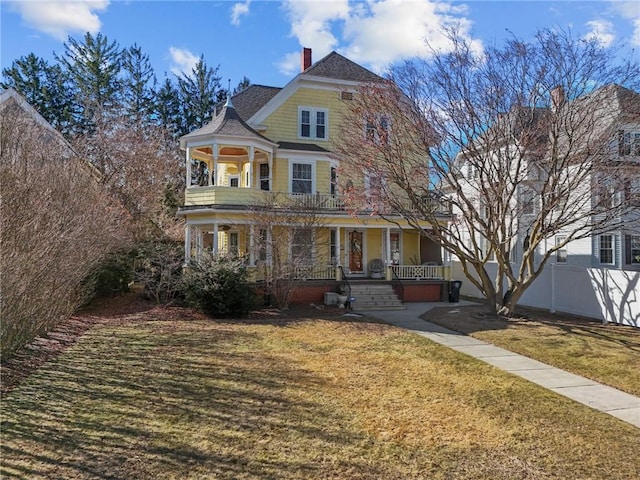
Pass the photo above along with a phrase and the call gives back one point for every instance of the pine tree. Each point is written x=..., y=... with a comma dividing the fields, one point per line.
x=199, y=94
x=137, y=85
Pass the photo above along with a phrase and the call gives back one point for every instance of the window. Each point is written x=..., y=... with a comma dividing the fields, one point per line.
x=632, y=192
x=527, y=201
x=628, y=143
x=606, y=196
x=301, y=177
x=334, y=180
x=264, y=176
x=313, y=123
x=561, y=253
x=333, y=247
x=606, y=249
x=262, y=245
x=234, y=180
x=632, y=249
x=377, y=129
x=233, y=243
x=301, y=246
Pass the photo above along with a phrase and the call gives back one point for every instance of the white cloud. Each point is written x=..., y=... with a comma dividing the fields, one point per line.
x=59, y=18
x=602, y=31
x=238, y=10
x=311, y=23
x=183, y=61
x=630, y=11
x=374, y=33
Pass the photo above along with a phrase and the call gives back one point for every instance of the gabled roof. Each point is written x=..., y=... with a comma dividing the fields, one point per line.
x=227, y=123
x=252, y=98
x=338, y=67
x=10, y=97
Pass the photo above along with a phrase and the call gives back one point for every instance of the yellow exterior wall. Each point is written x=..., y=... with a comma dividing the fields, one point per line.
x=373, y=245
x=282, y=124
x=411, y=248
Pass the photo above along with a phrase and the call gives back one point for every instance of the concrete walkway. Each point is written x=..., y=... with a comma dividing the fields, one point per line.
x=606, y=399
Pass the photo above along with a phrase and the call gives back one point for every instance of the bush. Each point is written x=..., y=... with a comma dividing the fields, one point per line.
x=159, y=268
x=113, y=276
x=218, y=286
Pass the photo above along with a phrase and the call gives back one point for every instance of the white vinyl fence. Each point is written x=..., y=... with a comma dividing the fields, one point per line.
x=608, y=295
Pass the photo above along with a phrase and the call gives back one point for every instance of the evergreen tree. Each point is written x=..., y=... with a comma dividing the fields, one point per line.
x=244, y=83
x=93, y=66
x=199, y=93
x=167, y=111
x=44, y=87
x=138, y=84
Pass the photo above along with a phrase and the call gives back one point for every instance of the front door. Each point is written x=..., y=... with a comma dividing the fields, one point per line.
x=355, y=252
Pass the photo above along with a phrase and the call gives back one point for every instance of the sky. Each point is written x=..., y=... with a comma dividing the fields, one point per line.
x=262, y=39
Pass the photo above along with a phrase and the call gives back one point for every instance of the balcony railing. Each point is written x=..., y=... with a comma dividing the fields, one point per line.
x=218, y=195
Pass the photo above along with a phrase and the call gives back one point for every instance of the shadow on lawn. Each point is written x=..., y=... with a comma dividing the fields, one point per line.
x=167, y=400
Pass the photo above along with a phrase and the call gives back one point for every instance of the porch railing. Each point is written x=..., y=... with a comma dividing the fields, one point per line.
x=419, y=272
x=315, y=272
x=315, y=200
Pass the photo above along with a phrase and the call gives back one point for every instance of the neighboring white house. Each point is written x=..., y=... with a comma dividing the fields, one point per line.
x=601, y=202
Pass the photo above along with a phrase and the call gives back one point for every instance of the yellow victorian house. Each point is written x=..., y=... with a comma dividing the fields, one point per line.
x=268, y=153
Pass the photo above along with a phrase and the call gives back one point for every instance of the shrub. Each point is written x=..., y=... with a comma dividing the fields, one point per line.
x=159, y=268
x=218, y=286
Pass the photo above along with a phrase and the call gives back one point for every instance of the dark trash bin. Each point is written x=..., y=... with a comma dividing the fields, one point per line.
x=454, y=291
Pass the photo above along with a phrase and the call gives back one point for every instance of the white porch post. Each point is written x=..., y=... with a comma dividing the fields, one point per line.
x=252, y=155
x=215, y=239
x=270, y=162
x=387, y=252
x=214, y=172
x=199, y=242
x=338, y=246
x=188, y=161
x=252, y=253
x=187, y=244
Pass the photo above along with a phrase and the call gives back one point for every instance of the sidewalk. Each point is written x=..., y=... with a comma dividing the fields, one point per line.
x=600, y=397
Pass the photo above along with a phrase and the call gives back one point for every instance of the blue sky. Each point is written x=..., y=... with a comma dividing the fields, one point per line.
x=262, y=39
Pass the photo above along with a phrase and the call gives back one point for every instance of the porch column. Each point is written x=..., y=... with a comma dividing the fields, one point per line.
x=187, y=244
x=188, y=161
x=270, y=162
x=252, y=155
x=338, y=245
x=214, y=169
x=215, y=239
x=252, y=253
x=387, y=273
x=199, y=242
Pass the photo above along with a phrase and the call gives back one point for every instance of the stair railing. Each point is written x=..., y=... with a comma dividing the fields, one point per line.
x=396, y=284
x=345, y=286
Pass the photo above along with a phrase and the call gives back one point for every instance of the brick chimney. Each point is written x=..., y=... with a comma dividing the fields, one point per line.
x=305, y=59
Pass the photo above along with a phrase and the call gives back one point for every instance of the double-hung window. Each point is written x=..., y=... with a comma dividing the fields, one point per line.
x=301, y=177
x=606, y=249
x=561, y=253
x=632, y=249
x=264, y=176
x=302, y=246
x=313, y=123
x=628, y=143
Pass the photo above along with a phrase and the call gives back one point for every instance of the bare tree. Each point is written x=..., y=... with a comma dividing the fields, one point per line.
x=141, y=167
x=519, y=141
x=57, y=224
x=291, y=243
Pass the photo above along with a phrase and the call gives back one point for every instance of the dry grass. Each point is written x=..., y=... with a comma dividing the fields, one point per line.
x=304, y=398
x=608, y=354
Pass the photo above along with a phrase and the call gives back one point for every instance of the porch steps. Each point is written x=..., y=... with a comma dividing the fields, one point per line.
x=375, y=297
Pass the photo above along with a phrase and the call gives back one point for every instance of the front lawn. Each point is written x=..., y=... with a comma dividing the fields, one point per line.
x=608, y=354
x=306, y=398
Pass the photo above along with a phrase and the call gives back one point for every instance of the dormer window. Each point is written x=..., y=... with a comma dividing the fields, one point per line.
x=313, y=123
